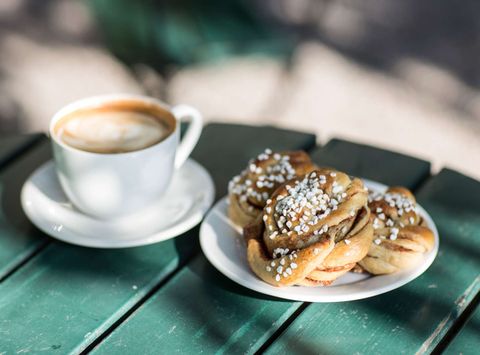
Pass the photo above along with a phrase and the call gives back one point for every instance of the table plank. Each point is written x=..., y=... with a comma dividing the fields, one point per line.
x=468, y=340
x=415, y=317
x=201, y=309
x=18, y=239
x=233, y=150
x=350, y=157
x=68, y=296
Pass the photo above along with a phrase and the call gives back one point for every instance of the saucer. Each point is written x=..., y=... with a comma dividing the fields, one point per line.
x=183, y=206
x=224, y=246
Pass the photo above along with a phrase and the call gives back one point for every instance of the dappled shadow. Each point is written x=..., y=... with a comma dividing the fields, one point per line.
x=382, y=32
x=206, y=272
x=216, y=313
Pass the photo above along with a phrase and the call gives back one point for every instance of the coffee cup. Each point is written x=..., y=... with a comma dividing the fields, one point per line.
x=116, y=154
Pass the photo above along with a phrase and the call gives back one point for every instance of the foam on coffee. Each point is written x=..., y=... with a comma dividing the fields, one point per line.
x=113, y=129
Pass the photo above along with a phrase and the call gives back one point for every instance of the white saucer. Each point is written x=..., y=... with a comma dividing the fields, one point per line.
x=223, y=245
x=187, y=199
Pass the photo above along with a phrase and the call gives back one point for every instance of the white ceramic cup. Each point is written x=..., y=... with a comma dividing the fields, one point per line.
x=111, y=185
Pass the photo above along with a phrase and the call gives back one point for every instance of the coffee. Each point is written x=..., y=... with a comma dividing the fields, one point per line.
x=115, y=128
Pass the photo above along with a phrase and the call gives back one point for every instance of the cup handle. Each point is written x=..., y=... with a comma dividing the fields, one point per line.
x=190, y=139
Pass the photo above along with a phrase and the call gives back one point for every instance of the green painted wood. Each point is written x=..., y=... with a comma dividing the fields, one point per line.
x=467, y=340
x=415, y=317
x=247, y=142
x=201, y=310
x=18, y=239
x=349, y=157
x=12, y=146
x=67, y=296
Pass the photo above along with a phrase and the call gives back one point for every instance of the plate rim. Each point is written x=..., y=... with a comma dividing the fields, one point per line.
x=264, y=288
x=75, y=238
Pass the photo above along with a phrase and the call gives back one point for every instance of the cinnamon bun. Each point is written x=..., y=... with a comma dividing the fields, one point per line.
x=249, y=191
x=312, y=230
x=401, y=236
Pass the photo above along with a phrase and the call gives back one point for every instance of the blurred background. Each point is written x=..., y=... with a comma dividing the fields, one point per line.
x=402, y=75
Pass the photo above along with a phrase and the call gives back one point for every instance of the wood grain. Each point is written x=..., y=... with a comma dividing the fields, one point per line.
x=467, y=341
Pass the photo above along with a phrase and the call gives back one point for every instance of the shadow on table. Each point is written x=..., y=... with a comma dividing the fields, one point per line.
x=418, y=307
x=414, y=306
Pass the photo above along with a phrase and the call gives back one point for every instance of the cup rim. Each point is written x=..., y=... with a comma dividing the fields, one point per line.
x=91, y=101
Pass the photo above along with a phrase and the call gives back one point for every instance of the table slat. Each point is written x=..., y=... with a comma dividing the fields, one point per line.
x=415, y=317
x=18, y=239
x=67, y=296
x=363, y=160
x=202, y=309
x=468, y=340
x=229, y=150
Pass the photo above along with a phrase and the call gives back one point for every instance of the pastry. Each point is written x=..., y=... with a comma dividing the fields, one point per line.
x=401, y=237
x=312, y=230
x=249, y=191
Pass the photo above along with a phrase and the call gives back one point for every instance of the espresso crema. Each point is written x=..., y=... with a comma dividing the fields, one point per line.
x=115, y=128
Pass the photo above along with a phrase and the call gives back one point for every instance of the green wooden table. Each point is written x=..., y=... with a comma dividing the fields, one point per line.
x=166, y=297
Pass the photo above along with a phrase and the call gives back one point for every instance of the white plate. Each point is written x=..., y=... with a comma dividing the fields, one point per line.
x=187, y=199
x=224, y=247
